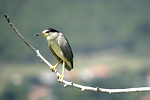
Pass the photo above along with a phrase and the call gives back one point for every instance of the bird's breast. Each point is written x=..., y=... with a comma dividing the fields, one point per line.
x=56, y=49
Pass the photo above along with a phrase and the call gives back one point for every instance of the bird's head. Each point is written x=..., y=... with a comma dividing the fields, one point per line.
x=47, y=32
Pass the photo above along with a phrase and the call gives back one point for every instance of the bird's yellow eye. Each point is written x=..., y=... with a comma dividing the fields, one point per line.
x=47, y=31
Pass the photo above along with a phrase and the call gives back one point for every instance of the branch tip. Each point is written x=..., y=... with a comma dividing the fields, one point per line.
x=7, y=17
x=65, y=85
x=82, y=89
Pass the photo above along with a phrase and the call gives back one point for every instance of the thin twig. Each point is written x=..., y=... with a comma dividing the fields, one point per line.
x=7, y=18
x=83, y=88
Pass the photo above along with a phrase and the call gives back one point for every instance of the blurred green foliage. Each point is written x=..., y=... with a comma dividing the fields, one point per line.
x=14, y=93
x=23, y=91
x=88, y=25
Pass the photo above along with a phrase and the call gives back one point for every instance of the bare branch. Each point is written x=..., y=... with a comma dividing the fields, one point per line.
x=83, y=88
x=8, y=20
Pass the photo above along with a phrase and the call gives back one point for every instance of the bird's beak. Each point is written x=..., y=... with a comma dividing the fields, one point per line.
x=38, y=34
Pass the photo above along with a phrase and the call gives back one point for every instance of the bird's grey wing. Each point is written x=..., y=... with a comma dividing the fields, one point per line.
x=66, y=49
x=50, y=47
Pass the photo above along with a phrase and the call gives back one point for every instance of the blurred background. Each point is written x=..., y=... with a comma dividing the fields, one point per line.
x=110, y=41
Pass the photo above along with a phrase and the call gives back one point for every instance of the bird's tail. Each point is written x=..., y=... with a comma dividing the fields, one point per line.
x=67, y=67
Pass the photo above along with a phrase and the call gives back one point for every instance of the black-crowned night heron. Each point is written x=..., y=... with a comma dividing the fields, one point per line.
x=60, y=48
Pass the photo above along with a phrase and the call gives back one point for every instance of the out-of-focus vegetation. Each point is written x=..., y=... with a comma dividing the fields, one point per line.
x=88, y=25
x=104, y=33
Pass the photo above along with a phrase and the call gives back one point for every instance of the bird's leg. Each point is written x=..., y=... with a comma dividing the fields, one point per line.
x=54, y=67
x=62, y=76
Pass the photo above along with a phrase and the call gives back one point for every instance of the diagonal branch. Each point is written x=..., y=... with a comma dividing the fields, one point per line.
x=8, y=20
x=83, y=88
x=36, y=51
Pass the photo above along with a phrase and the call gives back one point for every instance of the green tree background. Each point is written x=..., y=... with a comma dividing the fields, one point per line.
x=112, y=37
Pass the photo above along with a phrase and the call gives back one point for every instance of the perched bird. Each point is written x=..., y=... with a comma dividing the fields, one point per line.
x=60, y=48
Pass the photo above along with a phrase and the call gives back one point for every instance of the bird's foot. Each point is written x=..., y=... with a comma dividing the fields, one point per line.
x=60, y=77
x=53, y=68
